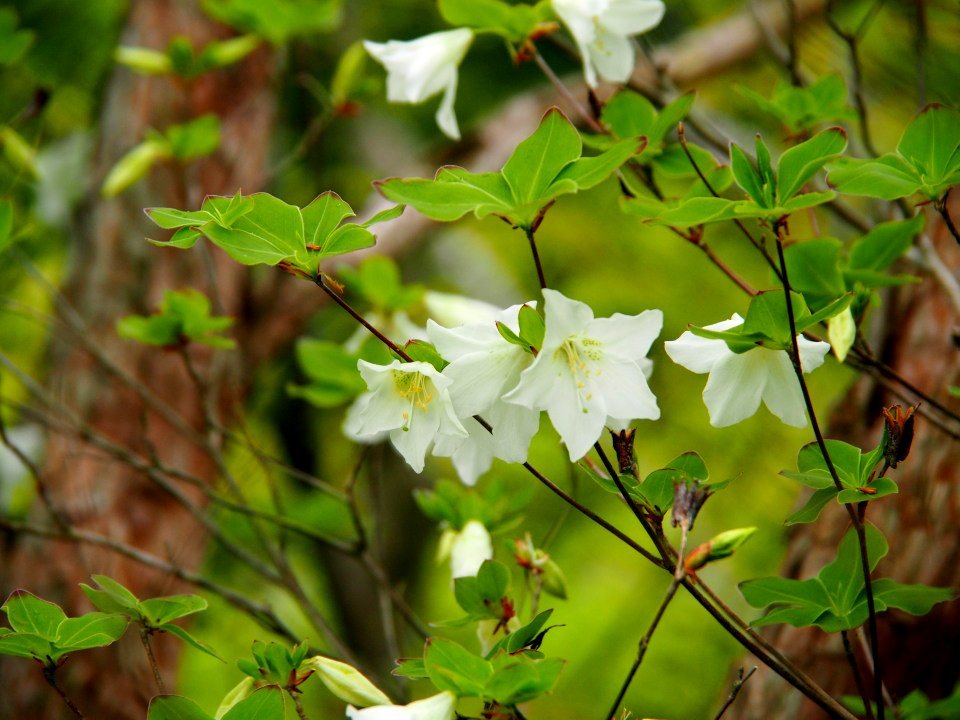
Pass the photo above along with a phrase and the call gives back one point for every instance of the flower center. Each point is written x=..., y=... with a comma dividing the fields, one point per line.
x=415, y=388
x=582, y=356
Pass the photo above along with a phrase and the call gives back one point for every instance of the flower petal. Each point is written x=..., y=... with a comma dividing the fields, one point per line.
x=735, y=386
x=812, y=353
x=782, y=394
x=698, y=354
x=563, y=318
x=627, y=336
x=446, y=117
x=632, y=17
x=612, y=55
x=625, y=391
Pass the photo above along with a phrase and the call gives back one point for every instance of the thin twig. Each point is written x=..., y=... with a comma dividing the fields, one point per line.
x=49, y=674
x=735, y=690
x=857, y=676
x=158, y=678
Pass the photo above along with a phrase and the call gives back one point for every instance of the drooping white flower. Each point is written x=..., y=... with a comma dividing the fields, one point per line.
x=590, y=372
x=468, y=549
x=409, y=401
x=738, y=382
x=419, y=69
x=437, y=707
x=451, y=310
x=602, y=30
x=483, y=368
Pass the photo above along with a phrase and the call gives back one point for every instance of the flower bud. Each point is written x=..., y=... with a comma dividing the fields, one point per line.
x=623, y=445
x=897, y=434
x=346, y=682
x=470, y=547
x=132, y=167
x=719, y=547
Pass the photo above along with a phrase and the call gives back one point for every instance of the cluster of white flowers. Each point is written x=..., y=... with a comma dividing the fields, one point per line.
x=590, y=373
x=421, y=68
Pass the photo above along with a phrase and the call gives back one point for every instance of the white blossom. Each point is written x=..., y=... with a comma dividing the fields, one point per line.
x=437, y=707
x=419, y=69
x=602, y=30
x=738, y=382
x=483, y=368
x=410, y=402
x=469, y=548
x=590, y=372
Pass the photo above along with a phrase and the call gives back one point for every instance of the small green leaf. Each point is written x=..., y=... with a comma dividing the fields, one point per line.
x=539, y=159
x=194, y=139
x=267, y=703
x=515, y=22
x=452, y=667
x=451, y=194
x=89, y=631
x=767, y=316
x=931, y=143
x=133, y=166
x=6, y=223
x=745, y=175
x=888, y=177
x=915, y=599
x=885, y=243
x=26, y=645
x=814, y=270
x=27, y=613
x=586, y=172
x=798, y=164
x=698, y=211
x=188, y=638
x=811, y=510
x=162, y=610
x=532, y=327
x=175, y=707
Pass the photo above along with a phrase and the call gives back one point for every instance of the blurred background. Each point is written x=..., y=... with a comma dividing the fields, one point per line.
x=303, y=113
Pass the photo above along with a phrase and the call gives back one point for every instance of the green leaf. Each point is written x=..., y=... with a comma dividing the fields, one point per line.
x=814, y=269
x=332, y=372
x=172, y=607
x=931, y=143
x=6, y=224
x=801, y=162
x=779, y=590
x=915, y=599
x=26, y=645
x=807, y=200
x=825, y=313
x=523, y=680
x=452, y=667
x=811, y=510
x=523, y=636
x=267, y=703
x=532, y=327
x=13, y=42
x=767, y=316
x=768, y=181
x=745, y=175
x=188, y=638
x=843, y=578
x=133, y=166
x=270, y=233
x=171, y=218
x=698, y=211
x=27, y=613
x=888, y=177
x=175, y=707
x=586, y=172
x=451, y=194
x=279, y=20
x=515, y=22
x=885, y=243
x=537, y=160
x=89, y=631
x=322, y=216
x=410, y=668
x=629, y=114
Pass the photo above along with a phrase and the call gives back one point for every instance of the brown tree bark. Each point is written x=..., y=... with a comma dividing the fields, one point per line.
x=917, y=337
x=116, y=272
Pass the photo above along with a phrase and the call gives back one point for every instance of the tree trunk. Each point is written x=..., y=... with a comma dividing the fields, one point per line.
x=116, y=272
x=917, y=339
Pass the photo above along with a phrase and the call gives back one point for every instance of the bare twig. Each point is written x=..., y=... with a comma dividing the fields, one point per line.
x=735, y=691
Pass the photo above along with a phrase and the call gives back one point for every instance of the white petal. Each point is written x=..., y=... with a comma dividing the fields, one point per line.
x=578, y=419
x=513, y=428
x=632, y=17
x=627, y=336
x=612, y=55
x=470, y=548
x=437, y=707
x=625, y=391
x=480, y=379
x=412, y=443
x=563, y=318
x=735, y=386
x=699, y=354
x=782, y=394
x=472, y=455
x=446, y=117
x=380, y=712
x=537, y=382
x=451, y=310
x=812, y=353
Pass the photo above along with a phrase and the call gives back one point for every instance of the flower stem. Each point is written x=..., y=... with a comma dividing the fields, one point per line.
x=821, y=443
x=49, y=674
x=318, y=281
x=145, y=639
x=536, y=257
x=857, y=676
x=941, y=206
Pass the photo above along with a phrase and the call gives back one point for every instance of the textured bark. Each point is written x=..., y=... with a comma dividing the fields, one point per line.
x=115, y=272
x=917, y=339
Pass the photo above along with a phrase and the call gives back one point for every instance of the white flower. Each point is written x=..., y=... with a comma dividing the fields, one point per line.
x=419, y=69
x=410, y=401
x=451, y=310
x=590, y=372
x=437, y=707
x=602, y=30
x=737, y=383
x=469, y=548
x=483, y=367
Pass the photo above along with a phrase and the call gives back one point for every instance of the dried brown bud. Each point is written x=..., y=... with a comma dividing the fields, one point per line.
x=688, y=498
x=897, y=434
x=623, y=445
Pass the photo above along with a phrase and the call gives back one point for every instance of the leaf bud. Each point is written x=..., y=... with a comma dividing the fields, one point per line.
x=897, y=434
